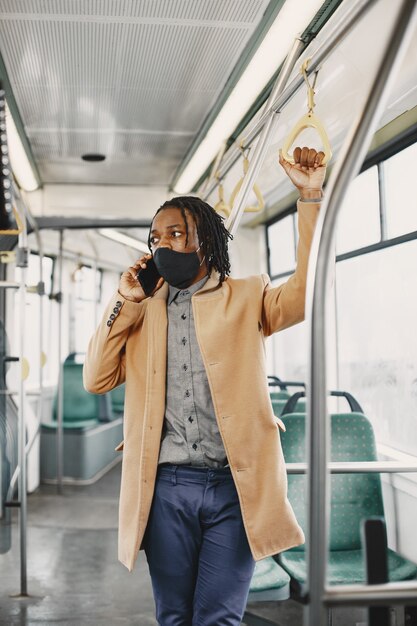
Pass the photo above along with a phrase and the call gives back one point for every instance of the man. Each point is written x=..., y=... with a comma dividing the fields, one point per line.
x=203, y=487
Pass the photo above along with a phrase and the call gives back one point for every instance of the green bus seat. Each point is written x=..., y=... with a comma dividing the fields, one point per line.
x=354, y=497
x=278, y=406
x=279, y=395
x=117, y=396
x=78, y=404
x=269, y=582
x=91, y=431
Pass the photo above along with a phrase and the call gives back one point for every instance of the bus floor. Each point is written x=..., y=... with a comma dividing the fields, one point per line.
x=74, y=577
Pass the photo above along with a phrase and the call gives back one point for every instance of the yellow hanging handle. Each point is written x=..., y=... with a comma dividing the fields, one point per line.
x=257, y=191
x=221, y=205
x=309, y=120
x=14, y=231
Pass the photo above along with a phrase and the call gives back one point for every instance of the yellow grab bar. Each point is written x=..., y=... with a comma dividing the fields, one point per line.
x=309, y=120
x=258, y=194
x=221, y=205
x=14, y=231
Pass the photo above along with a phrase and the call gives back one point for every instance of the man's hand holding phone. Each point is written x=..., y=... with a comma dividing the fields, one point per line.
x=141, y=280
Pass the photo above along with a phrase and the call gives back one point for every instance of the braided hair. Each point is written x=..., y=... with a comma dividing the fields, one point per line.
x=212, y=232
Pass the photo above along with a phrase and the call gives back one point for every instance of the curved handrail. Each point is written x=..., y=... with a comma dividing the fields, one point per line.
x=291, y=403
x=336, y=36
x=321, y=256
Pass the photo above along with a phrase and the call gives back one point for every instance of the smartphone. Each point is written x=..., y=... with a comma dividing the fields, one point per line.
x=148, y=277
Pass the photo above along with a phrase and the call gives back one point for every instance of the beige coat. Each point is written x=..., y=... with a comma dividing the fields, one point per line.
x=231, y=323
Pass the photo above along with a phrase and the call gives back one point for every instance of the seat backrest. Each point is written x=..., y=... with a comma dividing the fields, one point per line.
x=78, y=403
x=279, y=395
x=353, y=496
x=117, y=396
x=278, y=406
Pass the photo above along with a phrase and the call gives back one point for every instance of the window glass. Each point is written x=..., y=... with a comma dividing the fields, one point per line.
x=87, y=283
x=358, y=223
x=33, y=271
x=32, y=317
x=86, y=294
x=281, y=245
x=400, y=171
x=377, y=342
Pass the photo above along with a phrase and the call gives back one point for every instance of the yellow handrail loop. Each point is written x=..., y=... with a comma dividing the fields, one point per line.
x=221, y=205
x=309, y=120
x=257, y=191
x=14, y=231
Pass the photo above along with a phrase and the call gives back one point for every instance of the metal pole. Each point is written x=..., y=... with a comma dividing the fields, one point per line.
x=352, y=155
x=265, y=138
x=336, y=36
x=404, y=592
x=60, y=412
x=22, y=482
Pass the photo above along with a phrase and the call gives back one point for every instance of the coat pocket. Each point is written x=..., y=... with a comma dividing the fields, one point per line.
x=119, y=448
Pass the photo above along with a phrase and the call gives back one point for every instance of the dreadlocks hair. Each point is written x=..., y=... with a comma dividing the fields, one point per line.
x=212, y=233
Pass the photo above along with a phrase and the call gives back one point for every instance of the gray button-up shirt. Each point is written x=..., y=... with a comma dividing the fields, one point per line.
x=190, y=435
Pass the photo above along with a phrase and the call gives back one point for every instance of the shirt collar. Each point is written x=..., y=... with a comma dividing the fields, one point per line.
x=185, y=294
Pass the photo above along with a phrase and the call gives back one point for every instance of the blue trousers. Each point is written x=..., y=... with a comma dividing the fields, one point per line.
x=196, y=547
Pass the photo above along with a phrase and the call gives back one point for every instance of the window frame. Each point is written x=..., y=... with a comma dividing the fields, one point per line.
x=378, y=158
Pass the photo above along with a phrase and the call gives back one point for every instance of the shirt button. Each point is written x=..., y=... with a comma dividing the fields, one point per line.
x=184, y=367
x=194, y=446
x=190, y=419
x=183, y=341
x=187, y=394
x=108, y=322
x=119, y=304
x=183, y=316
x=116, y=309
x=112, y=316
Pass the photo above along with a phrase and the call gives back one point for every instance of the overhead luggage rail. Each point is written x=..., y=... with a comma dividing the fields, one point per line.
x=351, y=157
x=278, y=99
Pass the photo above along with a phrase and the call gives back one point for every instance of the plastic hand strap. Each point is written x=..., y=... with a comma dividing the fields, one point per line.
x=14, y=231
x=221, y=206
x=257, y=191
x=309, y=120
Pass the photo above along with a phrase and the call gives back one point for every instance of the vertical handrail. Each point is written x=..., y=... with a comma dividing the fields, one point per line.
x=265, y=137
x=60, y=407
x=347, y=166
x=22, y=261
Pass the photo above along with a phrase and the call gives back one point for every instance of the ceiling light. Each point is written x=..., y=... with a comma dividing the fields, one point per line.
x=290, y=21
x=20, y=163
x=126, y=240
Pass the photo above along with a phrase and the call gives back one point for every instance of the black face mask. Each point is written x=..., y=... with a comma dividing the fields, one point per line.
x=178, y=268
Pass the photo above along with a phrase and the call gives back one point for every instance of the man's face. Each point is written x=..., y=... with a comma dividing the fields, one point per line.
x=168, y=231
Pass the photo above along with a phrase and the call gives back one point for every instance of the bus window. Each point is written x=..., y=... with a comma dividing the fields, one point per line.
x=358, y=222
x=401, y=206
x=281, y=246
x=376, y=350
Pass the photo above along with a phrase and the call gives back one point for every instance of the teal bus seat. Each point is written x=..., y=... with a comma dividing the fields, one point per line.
x=354, y=497
x=91, y=430
x=279, y=406
x=117, y=396
x=78, y=404
x=279, y=395
x=269, y=582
